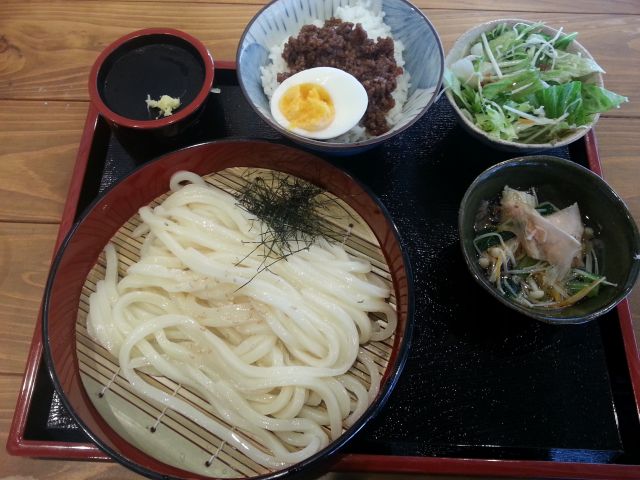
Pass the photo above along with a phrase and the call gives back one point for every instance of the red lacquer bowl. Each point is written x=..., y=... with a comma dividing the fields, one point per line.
x=151, y=62
x=81, y=249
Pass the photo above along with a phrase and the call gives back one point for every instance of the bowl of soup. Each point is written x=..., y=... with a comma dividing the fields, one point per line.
x=549, y=238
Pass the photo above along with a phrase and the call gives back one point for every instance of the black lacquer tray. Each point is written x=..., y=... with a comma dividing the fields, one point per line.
x=481, y=383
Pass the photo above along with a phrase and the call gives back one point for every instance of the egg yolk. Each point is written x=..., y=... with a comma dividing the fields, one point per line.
x=307, y=106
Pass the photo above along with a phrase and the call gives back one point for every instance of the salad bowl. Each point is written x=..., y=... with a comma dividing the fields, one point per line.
x=550, y=96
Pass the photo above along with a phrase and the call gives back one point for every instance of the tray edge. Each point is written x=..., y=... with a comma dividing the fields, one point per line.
x=17, y=445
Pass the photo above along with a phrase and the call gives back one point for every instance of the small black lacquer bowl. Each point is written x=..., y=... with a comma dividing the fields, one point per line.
x=148, y=64
x=563, y=183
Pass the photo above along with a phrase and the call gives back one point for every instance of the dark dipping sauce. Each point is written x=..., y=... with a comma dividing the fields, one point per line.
x=165, y=67
x=342, y=45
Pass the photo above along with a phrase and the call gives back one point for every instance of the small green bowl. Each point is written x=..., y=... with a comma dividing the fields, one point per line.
x=562, y=182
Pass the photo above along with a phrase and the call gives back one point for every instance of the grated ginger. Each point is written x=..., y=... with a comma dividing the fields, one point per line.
x=166, y=104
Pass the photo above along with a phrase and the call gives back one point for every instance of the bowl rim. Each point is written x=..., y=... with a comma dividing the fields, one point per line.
x=328, y=145
x=113, y=117
x=314, y=461
x=510, y=144
x=541, y=160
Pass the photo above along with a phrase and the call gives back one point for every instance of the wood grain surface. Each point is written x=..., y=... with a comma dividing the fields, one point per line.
x=38, y=144
x=25, y=252
x=46, y=51
x=44, y=63
x=542, y=6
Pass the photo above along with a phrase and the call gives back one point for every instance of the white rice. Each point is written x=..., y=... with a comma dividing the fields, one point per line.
x=376, y=28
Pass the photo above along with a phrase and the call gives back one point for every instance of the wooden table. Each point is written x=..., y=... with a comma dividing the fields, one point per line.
x=46, y=50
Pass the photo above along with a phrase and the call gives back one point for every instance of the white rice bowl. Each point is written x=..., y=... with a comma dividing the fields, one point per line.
x=376, y=28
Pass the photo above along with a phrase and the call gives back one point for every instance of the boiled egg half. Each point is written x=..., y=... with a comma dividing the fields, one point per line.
x=320, y=103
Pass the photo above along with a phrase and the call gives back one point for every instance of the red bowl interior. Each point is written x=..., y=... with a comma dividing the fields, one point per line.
x=141, y=39
x=102, y=220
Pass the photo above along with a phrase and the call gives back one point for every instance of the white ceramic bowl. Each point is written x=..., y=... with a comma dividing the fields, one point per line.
x=423, y=56
x=461, y=49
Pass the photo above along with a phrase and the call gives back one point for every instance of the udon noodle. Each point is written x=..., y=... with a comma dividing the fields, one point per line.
x=270, y=352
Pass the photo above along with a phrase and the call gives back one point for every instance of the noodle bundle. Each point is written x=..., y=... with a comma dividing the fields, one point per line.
x=268, y=344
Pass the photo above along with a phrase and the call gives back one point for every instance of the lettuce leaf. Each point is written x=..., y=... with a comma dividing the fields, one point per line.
x=517, y=87
x=559, y=100
x=453, y=84
x=565, y=40
x=503, y=43
x=496, y=123
x=497, y=31
x=562, y=42
x=598, y=100
x=579, y=100
x=569, y=66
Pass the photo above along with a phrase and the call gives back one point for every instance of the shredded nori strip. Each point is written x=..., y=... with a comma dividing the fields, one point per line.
x=289, y=211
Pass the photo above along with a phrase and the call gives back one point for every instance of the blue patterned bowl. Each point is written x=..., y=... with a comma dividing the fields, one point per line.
x=277, y=21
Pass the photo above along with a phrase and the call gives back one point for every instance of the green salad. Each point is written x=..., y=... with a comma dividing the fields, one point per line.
x=520, y=84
